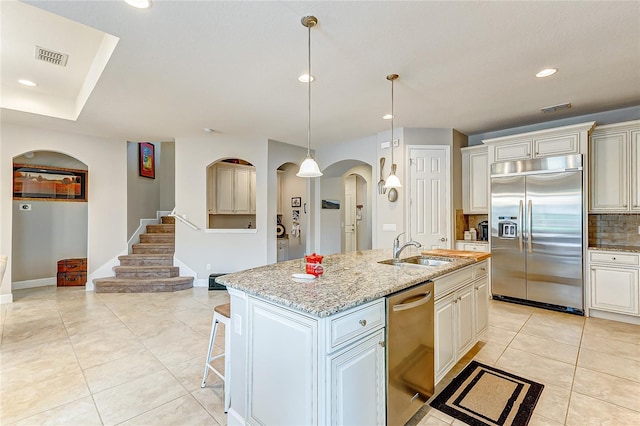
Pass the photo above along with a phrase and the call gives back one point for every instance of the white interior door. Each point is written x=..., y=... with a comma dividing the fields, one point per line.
x=429, y=199
x=350, y=234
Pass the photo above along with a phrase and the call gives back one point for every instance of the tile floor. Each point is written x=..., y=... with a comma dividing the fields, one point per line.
x=75, y=358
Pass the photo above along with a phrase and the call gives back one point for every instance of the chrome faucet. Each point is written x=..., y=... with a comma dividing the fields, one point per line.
x=397, y=249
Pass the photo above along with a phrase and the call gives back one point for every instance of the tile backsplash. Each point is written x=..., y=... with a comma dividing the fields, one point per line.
x=614, y=229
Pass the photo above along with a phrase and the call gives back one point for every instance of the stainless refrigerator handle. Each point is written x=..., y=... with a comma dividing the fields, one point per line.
x=529, y=227
x=521, y=226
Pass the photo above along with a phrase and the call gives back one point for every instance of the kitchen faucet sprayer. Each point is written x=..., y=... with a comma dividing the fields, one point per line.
x=397, y=249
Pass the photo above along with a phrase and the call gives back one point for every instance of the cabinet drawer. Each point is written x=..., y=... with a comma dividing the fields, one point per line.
x=447, y=283
x=353, y=323
x=480, y=270
x=614, y=258
x=475, y=247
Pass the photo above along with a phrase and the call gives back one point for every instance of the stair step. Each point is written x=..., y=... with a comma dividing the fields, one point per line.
x=149, y=248
x=161, y=228
x=168, y=219
x=158, y=237
x=146, y=271
x=151, y=285
x=146, y=260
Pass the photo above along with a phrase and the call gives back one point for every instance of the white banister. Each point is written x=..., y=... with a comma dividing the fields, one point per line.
x=183, y=220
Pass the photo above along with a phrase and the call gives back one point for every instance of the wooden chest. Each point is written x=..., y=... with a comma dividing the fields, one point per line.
x=72, y=272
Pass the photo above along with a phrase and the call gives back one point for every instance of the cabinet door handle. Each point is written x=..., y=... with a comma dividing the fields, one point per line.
x=363, y=322
x=382, y=343
x=613, y=258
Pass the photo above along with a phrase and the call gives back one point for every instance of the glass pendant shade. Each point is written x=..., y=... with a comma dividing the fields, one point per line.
x=392, y=182
x=309, y=168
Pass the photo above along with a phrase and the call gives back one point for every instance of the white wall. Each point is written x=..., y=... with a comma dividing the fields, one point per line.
x=331, y=220
x=167, y=176
x=143, y=193
x=224, y=250
x=106, y=160
x=293, y=186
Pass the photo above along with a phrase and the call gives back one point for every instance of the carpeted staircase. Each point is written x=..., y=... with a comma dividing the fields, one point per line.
x=149, y=268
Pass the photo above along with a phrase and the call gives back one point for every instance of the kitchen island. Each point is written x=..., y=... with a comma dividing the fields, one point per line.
x=313, y=353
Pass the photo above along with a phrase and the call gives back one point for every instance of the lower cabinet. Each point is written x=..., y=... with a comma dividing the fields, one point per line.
x=358, y=383
x=461, y=315
x=614, y=280
x=324, y=370
x=283, y=249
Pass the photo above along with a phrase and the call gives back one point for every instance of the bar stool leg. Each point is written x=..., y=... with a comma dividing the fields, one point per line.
x=227, y=366
x=212, y=337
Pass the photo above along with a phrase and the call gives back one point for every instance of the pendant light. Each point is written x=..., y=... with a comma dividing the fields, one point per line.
x=392, y=180
x=309, y=168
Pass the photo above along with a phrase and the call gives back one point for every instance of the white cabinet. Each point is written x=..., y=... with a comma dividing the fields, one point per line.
x=358, y=383
x=460, y=314
x=279, y=191
x=472, y=246
x=543, y=143
x=475, y=180
x=614, y=168
x=614, y=281
x=233, y=189
x=304, y=370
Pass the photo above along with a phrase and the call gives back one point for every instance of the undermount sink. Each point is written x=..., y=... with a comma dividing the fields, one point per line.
x=416, y=260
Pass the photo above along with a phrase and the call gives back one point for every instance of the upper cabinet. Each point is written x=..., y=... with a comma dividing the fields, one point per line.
x=233, y=189
x=614, y=159
x=475, y=180
x=543, y=143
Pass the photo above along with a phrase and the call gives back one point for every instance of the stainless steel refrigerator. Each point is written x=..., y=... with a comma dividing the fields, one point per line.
x=536, y=232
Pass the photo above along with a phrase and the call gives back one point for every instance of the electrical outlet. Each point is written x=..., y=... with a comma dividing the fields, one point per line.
x=208, y=266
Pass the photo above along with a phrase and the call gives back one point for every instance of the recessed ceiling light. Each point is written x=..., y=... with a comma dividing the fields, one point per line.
x=547, y=72
x=387, y=116
x=140, y=4
x=304, y=78
x=27, y=83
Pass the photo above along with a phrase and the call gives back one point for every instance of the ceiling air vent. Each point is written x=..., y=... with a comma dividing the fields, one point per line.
x=555, y=108
x=50, y=56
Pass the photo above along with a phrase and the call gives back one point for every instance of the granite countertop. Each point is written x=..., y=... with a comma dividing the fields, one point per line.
x=349, y=280
x=630, y=249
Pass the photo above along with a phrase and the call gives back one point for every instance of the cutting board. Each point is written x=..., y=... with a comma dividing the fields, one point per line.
x=478, y=256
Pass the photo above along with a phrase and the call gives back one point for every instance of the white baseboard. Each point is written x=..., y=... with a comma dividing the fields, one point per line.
x=41, y=282
x=234, y=418
x=614, y=317
x=6, y=298
x=201, y=282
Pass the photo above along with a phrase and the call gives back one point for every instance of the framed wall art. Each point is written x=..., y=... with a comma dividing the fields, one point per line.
x=35, y=182
x=147, y=154
x=296, y=201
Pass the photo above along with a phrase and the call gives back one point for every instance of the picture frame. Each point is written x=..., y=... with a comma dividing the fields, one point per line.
x=147, y=159
x=296, y=201
x=46, y=183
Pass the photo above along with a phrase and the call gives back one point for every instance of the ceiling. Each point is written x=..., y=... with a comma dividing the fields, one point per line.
x=232, y=66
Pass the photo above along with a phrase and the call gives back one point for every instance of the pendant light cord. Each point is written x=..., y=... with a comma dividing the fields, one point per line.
x=309, y=92
x=392, y=115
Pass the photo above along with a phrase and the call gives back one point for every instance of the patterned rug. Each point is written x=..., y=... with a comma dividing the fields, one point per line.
x=481, y=395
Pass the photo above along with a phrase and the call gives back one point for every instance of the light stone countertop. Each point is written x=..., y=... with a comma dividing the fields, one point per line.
x=349, y=280
x=629, y=249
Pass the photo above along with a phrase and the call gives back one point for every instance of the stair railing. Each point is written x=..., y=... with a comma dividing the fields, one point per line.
x=183, y=220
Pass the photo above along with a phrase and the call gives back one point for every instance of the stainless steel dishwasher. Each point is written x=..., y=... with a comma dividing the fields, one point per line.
x=410, y=374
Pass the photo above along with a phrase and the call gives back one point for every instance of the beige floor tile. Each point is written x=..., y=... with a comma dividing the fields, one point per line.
x=122, y=370
x=613, y=330
x=553, y=403
x=537, y=368
x=182, y=411
x=537, y=420
x=190, y=373
x=21, y=373
x=507, y=322
x=131, y=399
x=510, y=309
x=212, y=399
x=440, y=416
x=615, y=390
x=554, y=318
x=20, y=402
x=585, y=410
x=609, y=364
x=105, y=345
x=499, y=335
x=25, y=335
x=83, y=327
x=81, y=412
x=489, y=353
x=173, y=348
x=611, y=347
x=430, y=420
x=545, y=347
x=569, y=336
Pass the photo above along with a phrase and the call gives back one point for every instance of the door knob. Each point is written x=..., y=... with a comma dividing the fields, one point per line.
x=443, y=239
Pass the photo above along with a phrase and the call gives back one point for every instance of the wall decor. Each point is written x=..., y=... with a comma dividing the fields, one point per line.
x=147, y=156
x=331, y=204
x=296, y=201
x=35, y=182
